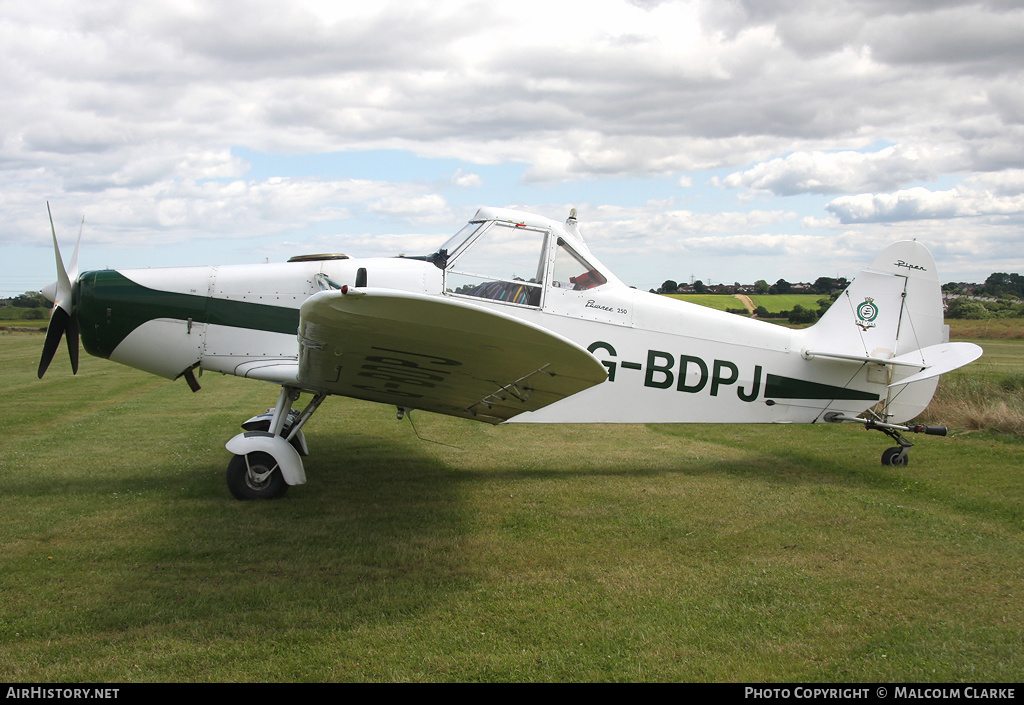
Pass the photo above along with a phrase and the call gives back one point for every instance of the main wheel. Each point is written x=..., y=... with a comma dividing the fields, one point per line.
x=894, y=456
x=255, y=476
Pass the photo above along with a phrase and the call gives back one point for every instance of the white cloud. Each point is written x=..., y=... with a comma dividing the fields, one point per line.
x=180, y=210
x=848, y=171
x=654, y=223
x=423, y=208
x=1005, y=183
x=598, y=88
x=129, y=112
x=747, y=245
x=921, y=203
x=466, y=180
x=354, y=244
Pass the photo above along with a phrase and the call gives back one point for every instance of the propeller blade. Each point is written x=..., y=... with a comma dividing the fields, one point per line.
x=59, y=319
x=73, y=268
x=63, y=317
x=62, y=297
x=71, y=333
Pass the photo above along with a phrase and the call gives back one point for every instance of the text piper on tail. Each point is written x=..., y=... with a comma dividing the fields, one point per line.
x=512, y=320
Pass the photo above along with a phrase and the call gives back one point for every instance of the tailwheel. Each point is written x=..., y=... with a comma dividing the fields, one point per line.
x=255, y=476
x=896, y=456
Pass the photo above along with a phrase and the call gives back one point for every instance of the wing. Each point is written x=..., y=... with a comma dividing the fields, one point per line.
x=436, y=354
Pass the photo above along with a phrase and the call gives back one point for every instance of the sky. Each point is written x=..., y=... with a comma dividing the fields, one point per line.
x=722, y=140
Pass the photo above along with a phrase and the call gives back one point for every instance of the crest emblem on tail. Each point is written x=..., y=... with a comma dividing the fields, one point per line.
x=867, y=312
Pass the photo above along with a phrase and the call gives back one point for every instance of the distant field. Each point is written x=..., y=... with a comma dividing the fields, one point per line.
x=720, y=302
x=603, y=553
x=774, y=304
x=786, y=302
x=993, y=328
x=14, y=314
x=17, y=325
x=1001, y=357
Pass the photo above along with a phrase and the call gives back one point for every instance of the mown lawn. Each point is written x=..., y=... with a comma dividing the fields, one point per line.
x=774, y=303
x=720, y=302
x=478, y=553
x=786, y=302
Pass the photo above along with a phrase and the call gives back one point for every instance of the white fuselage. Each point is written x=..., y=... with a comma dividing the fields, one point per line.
x=668, y=361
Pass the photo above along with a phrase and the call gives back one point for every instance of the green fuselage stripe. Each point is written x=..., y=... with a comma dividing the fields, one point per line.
x=779, y=387
x=111, y=306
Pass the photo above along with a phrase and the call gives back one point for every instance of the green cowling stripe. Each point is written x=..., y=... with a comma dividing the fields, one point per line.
x=110, y=306
x=779, y=387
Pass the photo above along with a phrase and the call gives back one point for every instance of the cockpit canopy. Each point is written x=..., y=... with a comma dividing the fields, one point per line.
x=512, y=256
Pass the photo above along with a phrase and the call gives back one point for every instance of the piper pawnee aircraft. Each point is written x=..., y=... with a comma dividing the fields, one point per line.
x=513, y=320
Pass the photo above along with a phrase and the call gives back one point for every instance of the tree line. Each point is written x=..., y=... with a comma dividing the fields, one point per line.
x=31, y=306
x=999, y=285
x=1000, y=296
x=821, y=285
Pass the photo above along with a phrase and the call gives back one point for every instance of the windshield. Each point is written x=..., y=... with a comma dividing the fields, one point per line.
x=456, y=241
x=455, y=244
x=506, y=263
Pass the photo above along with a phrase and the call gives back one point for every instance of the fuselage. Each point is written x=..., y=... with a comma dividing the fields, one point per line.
x=667, y=360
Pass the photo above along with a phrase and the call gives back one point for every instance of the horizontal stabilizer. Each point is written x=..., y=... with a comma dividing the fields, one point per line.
x=931, y=362
x=938, y=360
x=811, y=354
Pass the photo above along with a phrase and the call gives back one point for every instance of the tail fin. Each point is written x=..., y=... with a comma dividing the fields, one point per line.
x=893, y=311
x=891, y=308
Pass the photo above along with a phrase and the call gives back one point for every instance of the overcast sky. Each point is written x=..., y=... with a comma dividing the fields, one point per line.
x=727, y=140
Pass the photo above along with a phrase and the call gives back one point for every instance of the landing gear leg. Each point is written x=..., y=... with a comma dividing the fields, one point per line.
x=267, y=462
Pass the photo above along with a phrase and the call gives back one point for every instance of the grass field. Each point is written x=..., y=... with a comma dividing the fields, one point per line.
x=36, y=316
x=989, y=329
x=786, y=302
x=579, y=553
x=774, y=304
x=720, y=302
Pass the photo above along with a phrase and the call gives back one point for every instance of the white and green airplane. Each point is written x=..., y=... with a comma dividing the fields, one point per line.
x=512, y=320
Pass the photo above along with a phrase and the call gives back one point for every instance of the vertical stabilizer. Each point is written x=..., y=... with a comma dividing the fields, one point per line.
x=891, y=309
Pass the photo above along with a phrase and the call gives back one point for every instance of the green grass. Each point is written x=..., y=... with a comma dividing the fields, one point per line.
x=35, y=316
x=519, y=553
x=987, y=395
x=1000, y=357
x=773, y=303
x=990, y=328
x=720, y=302
x=786, y=302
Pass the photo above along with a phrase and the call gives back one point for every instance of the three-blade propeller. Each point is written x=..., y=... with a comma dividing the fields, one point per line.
x=64, y=317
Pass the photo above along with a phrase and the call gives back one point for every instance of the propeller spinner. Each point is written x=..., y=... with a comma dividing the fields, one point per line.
x=64, y=316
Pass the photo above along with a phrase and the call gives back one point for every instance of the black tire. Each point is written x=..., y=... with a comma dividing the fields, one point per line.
x=895, y=457
x=250, y=480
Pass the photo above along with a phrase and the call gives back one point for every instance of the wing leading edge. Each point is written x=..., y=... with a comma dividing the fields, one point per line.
x=436, y=354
